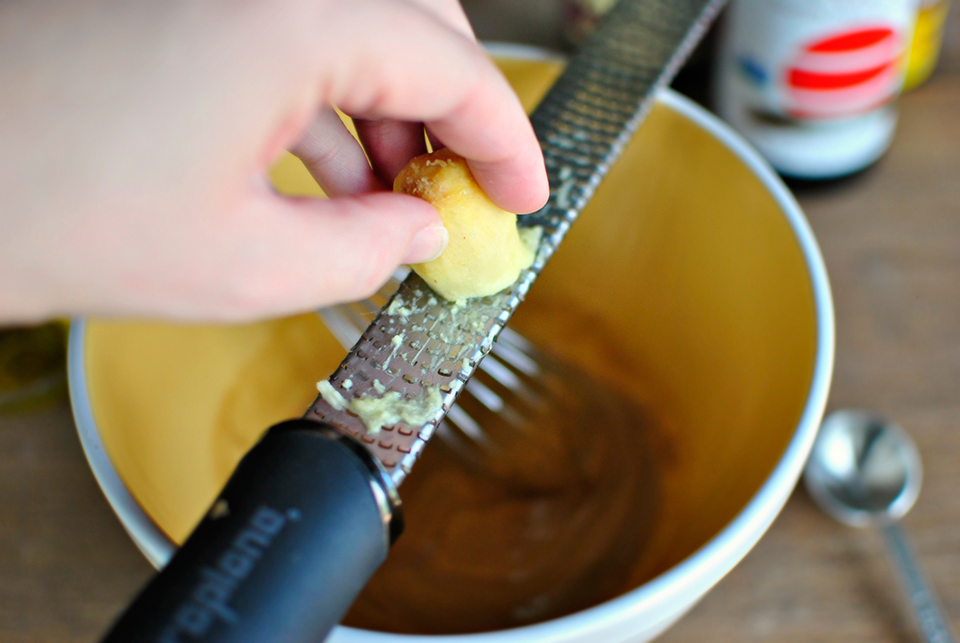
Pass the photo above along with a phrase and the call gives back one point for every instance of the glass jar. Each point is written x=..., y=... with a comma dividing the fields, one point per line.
x=812, y=83
x=927, y=38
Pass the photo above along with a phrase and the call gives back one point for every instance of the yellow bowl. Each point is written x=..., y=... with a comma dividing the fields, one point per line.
x=691, y=284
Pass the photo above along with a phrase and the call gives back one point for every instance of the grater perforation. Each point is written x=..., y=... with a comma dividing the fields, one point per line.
x=420, y=341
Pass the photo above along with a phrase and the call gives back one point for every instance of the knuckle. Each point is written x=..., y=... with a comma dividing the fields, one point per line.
x=318, y=151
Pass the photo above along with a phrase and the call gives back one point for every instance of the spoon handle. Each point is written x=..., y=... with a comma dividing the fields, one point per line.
x=930, y=617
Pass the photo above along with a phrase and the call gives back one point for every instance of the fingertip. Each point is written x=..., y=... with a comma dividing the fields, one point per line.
x=538, y=192
x=427, y=244
x=520, y=186
x=290, y=253
x=407, y=211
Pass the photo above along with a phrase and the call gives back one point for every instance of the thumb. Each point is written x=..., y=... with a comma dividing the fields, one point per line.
x=292, y=254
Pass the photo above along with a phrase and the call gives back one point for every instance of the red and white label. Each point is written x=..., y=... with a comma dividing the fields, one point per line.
x=844, y=73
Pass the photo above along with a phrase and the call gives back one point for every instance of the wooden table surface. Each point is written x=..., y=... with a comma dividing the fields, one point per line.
x=891, y=240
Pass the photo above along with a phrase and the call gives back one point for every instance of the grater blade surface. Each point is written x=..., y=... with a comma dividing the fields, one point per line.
x=420, y=341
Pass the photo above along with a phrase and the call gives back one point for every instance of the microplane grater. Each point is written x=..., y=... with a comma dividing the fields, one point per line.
x=420, y=340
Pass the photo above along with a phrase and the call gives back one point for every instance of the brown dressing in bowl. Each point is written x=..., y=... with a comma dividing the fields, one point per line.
x=551, y=519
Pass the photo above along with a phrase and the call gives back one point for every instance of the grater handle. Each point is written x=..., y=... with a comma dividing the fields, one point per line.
x=302, y=524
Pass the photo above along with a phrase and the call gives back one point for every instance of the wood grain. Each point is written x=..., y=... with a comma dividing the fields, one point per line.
x=66, y=565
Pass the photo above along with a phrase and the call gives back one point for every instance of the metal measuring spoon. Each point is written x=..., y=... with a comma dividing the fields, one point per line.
x=865, y=470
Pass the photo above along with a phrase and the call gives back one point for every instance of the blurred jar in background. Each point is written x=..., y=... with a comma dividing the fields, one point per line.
x=32, y=366
x=581, y=16
x=812, y=83
x=927, y=38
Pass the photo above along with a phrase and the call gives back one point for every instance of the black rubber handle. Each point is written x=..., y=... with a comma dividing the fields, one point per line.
x=302, y=524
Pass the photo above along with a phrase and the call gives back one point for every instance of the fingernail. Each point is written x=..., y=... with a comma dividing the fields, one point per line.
x=427, y=245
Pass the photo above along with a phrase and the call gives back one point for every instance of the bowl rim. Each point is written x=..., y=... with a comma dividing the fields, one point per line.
x=696, y=573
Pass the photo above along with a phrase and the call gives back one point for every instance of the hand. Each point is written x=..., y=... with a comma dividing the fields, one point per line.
x=136, y=138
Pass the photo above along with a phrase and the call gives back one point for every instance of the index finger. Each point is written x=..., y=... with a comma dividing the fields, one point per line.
x=407, y=64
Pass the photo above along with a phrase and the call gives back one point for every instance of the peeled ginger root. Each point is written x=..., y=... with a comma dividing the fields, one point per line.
x=486, y=251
